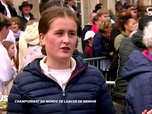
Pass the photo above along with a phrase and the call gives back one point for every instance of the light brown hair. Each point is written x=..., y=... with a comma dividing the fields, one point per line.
x=4, y=21
x=102, y=11
x=7, y=44
x=103, y=25
x=16, y=20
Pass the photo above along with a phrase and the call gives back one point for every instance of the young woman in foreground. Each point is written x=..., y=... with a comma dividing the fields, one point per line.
x=58, y=76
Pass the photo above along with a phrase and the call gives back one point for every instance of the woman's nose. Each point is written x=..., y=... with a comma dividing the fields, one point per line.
x=66, y=38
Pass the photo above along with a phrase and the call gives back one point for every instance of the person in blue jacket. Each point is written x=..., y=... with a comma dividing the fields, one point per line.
x=59, y=83
x=101, y=43
x=138, y=71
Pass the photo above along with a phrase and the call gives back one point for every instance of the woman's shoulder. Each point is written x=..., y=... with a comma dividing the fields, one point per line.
x=29, y=74
x=94, y=71
x=120, y=36
x=98, y=35
x=136, y=54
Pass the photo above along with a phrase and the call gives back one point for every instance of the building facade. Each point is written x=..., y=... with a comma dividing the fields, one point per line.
x=86, y=7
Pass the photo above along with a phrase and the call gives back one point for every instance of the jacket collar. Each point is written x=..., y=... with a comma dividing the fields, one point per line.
x=35, y=68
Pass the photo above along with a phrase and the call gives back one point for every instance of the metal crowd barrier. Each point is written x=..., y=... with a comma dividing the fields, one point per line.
x=98, y=62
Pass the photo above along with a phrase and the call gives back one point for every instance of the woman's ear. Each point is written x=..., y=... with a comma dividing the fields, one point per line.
x=42, y=39
x=125, y=25
x=42, y=43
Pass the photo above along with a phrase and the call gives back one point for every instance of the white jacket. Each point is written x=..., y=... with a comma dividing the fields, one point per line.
x=6, y=70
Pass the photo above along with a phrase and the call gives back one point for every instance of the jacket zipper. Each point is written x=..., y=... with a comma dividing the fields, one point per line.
x=73, y=75
x=64, y=99
x=63, y=90
x=63, y=93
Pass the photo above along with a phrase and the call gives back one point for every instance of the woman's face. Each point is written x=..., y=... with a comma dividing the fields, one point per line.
x=14, y=27
x=11, y=51
x=130, y=24
x=60, y=40
x=119, y=7
x=108, y=30
x=90, y=41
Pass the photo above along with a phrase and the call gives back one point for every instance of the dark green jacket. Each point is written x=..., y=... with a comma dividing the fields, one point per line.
x=127, y=46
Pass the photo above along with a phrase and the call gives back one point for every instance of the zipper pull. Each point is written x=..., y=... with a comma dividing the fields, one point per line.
x=63, y=93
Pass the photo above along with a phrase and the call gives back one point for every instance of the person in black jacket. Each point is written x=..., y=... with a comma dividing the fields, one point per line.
x=59, y=83
x=71, y=5
x=25, y=16
x=7, y=4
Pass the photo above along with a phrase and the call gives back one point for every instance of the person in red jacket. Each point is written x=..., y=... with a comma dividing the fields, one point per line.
x=88, y=48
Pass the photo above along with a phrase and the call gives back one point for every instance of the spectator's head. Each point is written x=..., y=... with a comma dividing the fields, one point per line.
x=31, y=35
x=92, y=15
x=70, y=2
x=16, y=24
x=50, y=32
x=103, y=14
x=105, y=27
x=147, y=38
x=30, y=22
x=127, y=23
x=4, y=1
x=44, y=4
x=122, y=13
x=97, y=7
x=118, y=6
x=128, y=2
x=25, y=7
x=133, y=11
x=141, y=11
x=95, y=19
x=143, y=21
x=9, y=45
x=10, y=2
x=89, y=35
x=140, y=3
x=5, y=23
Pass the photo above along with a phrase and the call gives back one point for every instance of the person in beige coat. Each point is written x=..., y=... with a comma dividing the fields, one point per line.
x=29, y=45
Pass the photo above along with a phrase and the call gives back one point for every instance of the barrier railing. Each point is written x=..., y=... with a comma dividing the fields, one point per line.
x=95, y=61
x=103, y=64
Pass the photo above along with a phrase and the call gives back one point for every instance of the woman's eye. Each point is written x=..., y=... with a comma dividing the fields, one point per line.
x=72, y=34
x=59, y=33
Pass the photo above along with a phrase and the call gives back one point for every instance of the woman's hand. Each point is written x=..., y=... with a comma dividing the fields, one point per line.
x=145, y=112
x=111, y=53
